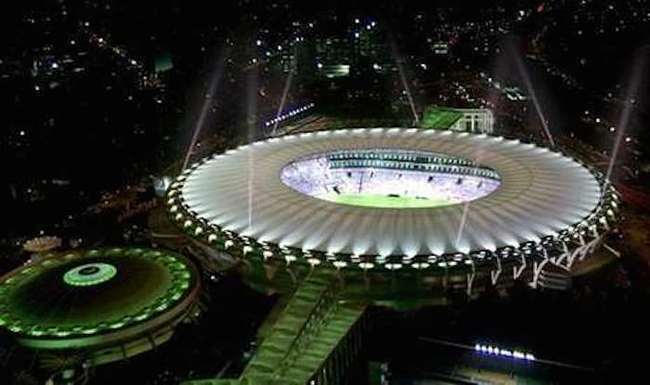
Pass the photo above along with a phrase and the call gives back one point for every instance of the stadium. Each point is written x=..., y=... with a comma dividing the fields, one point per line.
x=110, y=303
x=407, y=202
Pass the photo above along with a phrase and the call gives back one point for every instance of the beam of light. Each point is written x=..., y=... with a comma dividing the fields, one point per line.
x=463, y=218
x=208, y=97
x=636, y=78
x=251, y=118
x=285, y=92
x=251, y=177
x=402, y=76
x=461, y=227
x=533, y=95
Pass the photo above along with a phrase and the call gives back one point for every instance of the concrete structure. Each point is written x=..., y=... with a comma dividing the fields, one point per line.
x=473, y=120
x=478, y=120
x=110, y=303
x=547, y=208
x=313, y=341
x=332, y=259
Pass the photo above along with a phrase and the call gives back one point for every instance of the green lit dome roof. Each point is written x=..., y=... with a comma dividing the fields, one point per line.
x=86, y=298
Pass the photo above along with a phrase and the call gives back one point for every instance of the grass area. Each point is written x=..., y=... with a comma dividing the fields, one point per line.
x=384, y=201
x=437, y=117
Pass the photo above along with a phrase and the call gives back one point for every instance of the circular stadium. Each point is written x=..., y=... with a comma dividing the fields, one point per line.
x=394, y=199
x=108, y=303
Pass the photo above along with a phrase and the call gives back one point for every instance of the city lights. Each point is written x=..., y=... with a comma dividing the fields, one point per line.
x=251, y=192
x=289, y=114
x=501, y=352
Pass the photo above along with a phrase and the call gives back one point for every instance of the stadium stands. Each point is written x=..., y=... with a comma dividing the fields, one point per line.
x=322, y=178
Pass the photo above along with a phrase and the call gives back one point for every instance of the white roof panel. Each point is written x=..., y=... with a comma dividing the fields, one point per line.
x=541, y=193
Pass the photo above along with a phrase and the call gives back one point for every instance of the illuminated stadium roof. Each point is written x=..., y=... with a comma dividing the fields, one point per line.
x=96, y=297
x=240, y=196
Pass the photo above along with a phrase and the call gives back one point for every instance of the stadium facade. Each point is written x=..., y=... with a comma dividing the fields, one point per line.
x=389, y=216
x=111, y=304
x=542, y=207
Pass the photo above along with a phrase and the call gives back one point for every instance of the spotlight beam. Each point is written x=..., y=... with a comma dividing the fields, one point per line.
x=285, y=92
x=407, y=89
x=632, y=90
x=210, y=92
x=533, y=95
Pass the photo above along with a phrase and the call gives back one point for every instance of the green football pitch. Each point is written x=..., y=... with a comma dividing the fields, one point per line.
x=384, y=201
x=436, y=117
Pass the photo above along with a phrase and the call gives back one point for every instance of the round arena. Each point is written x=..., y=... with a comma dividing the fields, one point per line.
x=110, y=303
x=394, y=199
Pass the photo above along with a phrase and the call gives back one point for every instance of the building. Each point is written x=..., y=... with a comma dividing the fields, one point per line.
x=339, y=220
x=334, y=200
x=474, y=120
x=111, y=304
